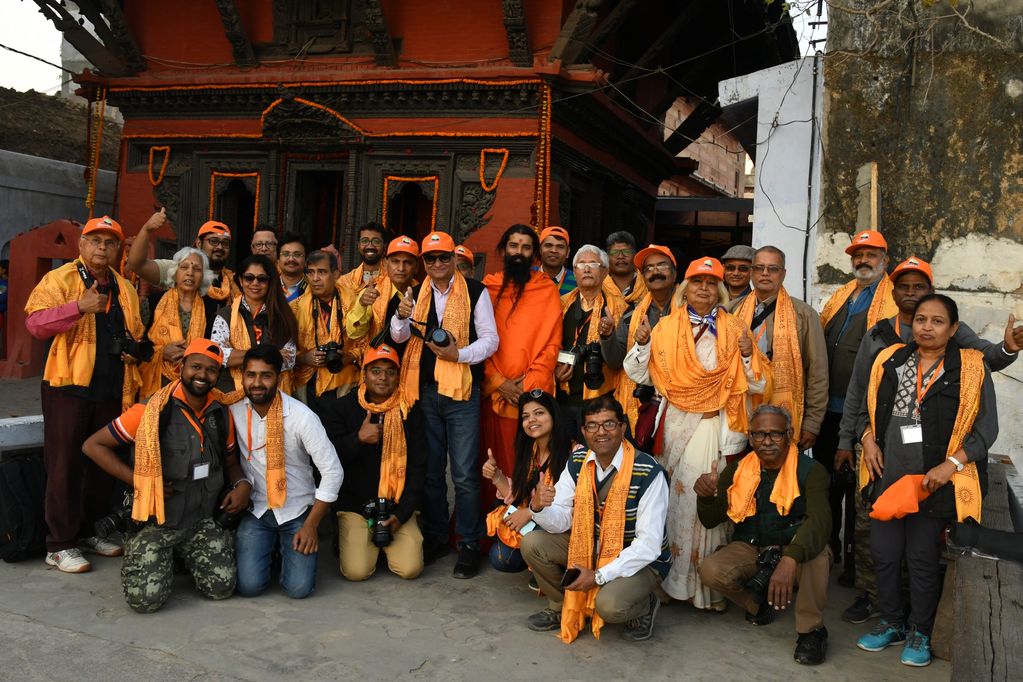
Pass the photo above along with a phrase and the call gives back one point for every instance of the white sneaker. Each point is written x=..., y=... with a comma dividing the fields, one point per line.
x=69, y=560
x=101, y=546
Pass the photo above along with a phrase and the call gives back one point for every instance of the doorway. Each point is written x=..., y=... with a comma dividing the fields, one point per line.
x=316, y=206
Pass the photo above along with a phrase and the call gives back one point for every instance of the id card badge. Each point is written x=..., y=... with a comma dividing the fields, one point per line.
x=912, y=433
x=200, y=471
x=567, y=358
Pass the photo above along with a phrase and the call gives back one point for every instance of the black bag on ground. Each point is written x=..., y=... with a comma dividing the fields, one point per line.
x=22, y=522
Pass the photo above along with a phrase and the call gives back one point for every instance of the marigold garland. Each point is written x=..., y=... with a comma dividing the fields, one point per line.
x=542, y=193
x=95, y=142
x=398, y=178
x=222, y=174
x=163, y=166
x=313, y=84
x=500, y=171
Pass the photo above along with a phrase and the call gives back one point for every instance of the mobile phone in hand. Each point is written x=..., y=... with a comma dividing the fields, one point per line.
x=570, y=577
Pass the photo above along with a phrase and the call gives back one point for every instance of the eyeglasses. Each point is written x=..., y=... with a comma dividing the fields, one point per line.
x=663, y=266
x=773, y=269
x=97, y=242
x=217, y=242
x=432, y=258
x=609, y=425
x=374, y=241
x=263, y=245
x=249, y=278
x=292, y=254
x=621, y=252
x=588, y=266
x=761, y=436
x=378, y=372
x=731, y=267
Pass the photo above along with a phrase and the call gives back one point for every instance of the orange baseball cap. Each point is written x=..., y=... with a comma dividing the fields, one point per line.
x=438, y=241
x=555, y=231
x=403, y=245
x=381, y=352
x=867, y=238
x=651, y=250
x=207, y=348
x=104, y=224
x=706, y=266
x=463, y=251
x=913, y=264
x=214, y=227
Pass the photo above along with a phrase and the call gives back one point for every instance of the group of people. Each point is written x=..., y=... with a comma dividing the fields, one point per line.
x=718, y=429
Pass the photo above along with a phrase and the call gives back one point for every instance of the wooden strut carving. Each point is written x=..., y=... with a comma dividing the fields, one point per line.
x=518, y=34
x=380, y=36
x=235, y=32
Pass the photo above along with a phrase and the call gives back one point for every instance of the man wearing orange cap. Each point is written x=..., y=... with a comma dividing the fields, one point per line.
x=214, y=238
x=911, y=280
x=177, y=478
x=369, y=313
x=465, y=261
x=90, y=316
x=379, y=438
x=450, y=332
x=657, y=267
x=554, y=243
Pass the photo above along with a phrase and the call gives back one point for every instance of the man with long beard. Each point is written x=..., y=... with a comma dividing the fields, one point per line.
x=527, y=309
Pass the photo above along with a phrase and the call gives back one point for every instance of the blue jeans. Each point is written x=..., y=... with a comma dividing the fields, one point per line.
x=254, y=543
x=506, y=559
x=452, y=429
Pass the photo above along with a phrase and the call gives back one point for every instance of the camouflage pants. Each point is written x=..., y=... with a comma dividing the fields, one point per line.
x=865, y=579
x=148, y=568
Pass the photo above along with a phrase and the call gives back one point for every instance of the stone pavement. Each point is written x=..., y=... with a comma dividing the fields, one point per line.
x=77, y=627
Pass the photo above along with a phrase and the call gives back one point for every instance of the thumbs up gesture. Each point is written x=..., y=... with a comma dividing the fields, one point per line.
x=369, y=295
x=1013, y=341
x=707, y=484
x=407, y=304
x=607, y=324
x=643, y=332
x=490, y=466
x=92, y=301
x=543, y=496
x=156, y=221
x=746, y=344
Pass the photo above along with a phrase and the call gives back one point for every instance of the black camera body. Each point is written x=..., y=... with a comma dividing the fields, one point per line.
x=436, y=335
x=767, y=561
x=335, y=360
x=140, y=350
x=593, y=366
x=222, y=517
x=644, y=393
x=378, y=511
x=117, y=521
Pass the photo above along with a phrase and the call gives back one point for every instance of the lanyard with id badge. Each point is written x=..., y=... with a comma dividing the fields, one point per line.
x=200, y=470
x=914, y=433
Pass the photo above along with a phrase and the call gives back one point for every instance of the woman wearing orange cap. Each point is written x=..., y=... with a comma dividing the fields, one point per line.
x=703, y=362
x=930, y=410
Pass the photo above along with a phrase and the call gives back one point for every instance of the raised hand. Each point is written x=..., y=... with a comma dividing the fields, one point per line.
x=406, y=306
x=92, y=301
x=490, y=466
x=156, y=221
x=746, y=344
x=707, y=484
x=543, y=496
x=369, y=433
x=643, y=332
x=1013, y=340
x=369, y=295
x=607, y=324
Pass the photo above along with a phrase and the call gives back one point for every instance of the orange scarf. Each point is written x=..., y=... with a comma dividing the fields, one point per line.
x=395, y=449
x=312, y=327
x=353, y=279
x=166, y=328
x=679, y=376
x=787, y=388
x=227, y=288
x=742, y=502
x=72, y=355
x=639, y=289
x=615, y=306
x=495, y=519
x=454, y=379
x=882, y=306
x=971, y=383
x=578, y=606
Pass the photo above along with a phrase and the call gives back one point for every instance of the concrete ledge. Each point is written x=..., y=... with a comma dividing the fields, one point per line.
x=20, y=433
x=1014, y=482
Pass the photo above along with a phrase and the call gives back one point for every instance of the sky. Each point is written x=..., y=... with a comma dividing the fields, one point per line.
x=22, y=27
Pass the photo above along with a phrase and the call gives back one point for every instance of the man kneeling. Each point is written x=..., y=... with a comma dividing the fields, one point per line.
x=184, y=453
x=283, y=440
x=778, y=500
x=610, y=536
x=382, y=445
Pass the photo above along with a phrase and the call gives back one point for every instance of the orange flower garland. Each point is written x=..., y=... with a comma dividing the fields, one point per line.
x=96, y=148
x=163, y=166
x=213, y=191
x=542, y=193
x=500, y=171
x=397, y=178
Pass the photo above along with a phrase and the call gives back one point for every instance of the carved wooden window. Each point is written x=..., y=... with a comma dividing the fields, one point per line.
x=311, y=27
x=405, y=204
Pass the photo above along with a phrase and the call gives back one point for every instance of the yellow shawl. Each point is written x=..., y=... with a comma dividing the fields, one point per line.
x=454, y=379
x=580, y=605
x=72, y=354
x=882, y=306
x=615, y=306
x=351, y=283
x=240, y=342
x=639, y=290
x=971, y=383
x=395, y=450
x=742, y=493
x=623, y=392
x=227, y=289
x=166, y=328
x=312, y=326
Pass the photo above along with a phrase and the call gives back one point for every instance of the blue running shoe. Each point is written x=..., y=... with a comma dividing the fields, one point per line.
x=883, y=635
x=917, y=651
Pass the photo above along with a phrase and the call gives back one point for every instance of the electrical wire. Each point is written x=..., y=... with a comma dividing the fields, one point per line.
x=38, y=59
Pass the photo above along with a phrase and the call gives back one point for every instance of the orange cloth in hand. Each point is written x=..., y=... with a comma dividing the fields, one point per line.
x=900, y=499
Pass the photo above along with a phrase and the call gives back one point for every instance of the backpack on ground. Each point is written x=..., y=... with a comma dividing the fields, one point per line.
x=22, y=521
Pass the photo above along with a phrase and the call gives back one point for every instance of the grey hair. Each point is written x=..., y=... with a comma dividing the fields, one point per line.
x=207, y=274
x=776, y=410
x=600, y=253
x=723, y=297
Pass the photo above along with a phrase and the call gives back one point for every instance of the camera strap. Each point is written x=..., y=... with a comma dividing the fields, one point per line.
x=113, y=308
x=317, y=313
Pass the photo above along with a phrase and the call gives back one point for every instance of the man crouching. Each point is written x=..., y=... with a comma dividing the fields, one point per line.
x=184, y=452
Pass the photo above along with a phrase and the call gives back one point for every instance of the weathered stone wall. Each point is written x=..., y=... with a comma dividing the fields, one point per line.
x=934, y=94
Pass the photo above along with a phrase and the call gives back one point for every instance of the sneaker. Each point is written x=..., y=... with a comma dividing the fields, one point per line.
x=763, y=616
x=883, y=635
x=101, y=546
x=468, y=563
x=69, y=561
x=533, y=585
x=862, y=610
x=642, y=628
x=545, y=621
x=917, y=651
x=811, y=647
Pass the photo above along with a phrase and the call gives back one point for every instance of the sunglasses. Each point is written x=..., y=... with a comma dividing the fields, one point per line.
x=249, y=278
x=432, y=258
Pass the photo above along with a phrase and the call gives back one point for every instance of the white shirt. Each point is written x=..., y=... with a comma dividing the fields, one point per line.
x=487, y=339
x=650, y=517
x=304, y=440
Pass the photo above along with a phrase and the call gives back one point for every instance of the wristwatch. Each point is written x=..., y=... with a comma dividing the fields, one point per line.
x=959, y=465
x=599, y=578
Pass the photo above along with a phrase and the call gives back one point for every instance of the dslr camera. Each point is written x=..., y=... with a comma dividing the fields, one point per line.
x=378, y=511
x=140, y=350
x=225, y=519
x=593, y=366
x=335, y=360
x=435, y=335
x=767, y=561
x=117, y=521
